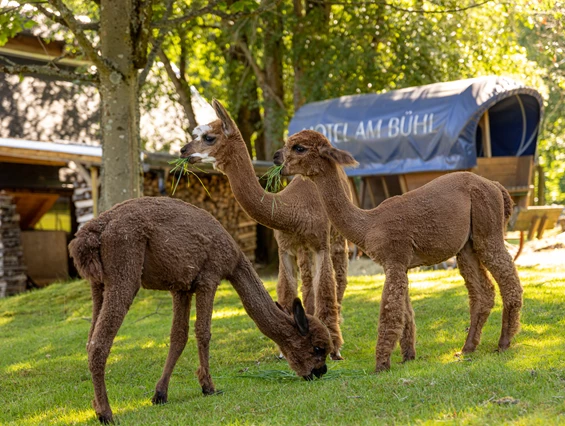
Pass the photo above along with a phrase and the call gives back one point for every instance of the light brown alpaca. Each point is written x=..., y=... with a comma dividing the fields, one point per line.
x=457, y=214
x=302, y=227
x=166, y=244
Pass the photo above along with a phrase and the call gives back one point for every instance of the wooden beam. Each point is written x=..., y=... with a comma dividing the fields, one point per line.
x=487, y=147
x=48, y=155
x=19, y=160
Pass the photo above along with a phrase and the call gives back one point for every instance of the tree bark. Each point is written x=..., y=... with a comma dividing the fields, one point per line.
x=121, y=175
x=273, y=51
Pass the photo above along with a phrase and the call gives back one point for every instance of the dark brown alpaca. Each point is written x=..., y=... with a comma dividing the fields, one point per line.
x=302, y=228
x=166, y=244
x=457, y=214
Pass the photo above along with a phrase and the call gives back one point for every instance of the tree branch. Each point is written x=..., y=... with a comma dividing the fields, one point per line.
x=49, y=71
x=91, y=26
x=82, y=40
x=155, y=46
x=169, y=23
x=183, y=90
x=259, y=73
x=401, y=9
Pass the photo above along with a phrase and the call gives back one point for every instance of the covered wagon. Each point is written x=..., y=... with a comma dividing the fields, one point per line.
x=404, y=138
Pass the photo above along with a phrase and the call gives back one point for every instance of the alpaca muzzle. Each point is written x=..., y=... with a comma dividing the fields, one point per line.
x=278, y=158
x=318, y=372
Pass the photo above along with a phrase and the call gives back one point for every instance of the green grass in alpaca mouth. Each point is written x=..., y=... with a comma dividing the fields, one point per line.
x=182, y=167
x=274, y=184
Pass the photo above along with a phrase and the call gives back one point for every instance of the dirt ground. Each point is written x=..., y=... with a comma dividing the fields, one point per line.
x=549, y=251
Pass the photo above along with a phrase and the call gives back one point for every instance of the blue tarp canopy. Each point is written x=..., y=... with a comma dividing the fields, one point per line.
x=427, y=128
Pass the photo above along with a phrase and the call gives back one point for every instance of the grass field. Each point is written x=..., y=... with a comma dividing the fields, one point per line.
x=44, y=377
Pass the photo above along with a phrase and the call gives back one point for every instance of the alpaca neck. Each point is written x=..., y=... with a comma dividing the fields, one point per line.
x=266, y=208
x=258, y=304
x=351, y=221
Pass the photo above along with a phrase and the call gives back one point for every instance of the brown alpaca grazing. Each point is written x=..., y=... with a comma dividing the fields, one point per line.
x=166, y=244
x=302, y=227
x=457, y=214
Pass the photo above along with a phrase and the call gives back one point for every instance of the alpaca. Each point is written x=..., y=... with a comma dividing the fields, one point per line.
x=456, y=214
x=302, y=228
x=166, y=244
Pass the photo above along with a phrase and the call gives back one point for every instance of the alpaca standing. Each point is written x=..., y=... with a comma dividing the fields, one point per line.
x=166, y=244
x=302, y=228
x=456, y=214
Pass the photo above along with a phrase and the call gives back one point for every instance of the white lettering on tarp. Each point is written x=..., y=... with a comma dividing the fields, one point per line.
x=404, y=125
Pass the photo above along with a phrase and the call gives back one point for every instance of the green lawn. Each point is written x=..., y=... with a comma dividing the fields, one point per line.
x=44, y=377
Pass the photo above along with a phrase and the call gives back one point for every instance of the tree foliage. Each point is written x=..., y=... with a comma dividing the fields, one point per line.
x=265, y=58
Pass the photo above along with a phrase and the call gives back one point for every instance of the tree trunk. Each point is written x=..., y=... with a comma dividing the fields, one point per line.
x=121, y=161
x=274, y=112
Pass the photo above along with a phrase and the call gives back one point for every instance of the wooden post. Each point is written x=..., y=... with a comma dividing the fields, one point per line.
x=487, y=147
x=541, y=186
x=94, y=187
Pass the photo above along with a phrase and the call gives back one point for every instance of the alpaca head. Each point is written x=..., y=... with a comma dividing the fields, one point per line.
x=213, y=141
x=306, y=349
x=309, y=153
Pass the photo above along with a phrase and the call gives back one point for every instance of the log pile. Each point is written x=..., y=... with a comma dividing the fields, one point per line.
x=12, y=267
x=221, y=204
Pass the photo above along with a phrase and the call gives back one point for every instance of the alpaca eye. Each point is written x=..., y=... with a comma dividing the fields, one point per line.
x=319, y=351
x=209, y=139
x=298, y=148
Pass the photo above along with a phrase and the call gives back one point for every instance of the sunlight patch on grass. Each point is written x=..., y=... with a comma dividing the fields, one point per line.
x=5, y=320
x=228, y=313
x=20, y=366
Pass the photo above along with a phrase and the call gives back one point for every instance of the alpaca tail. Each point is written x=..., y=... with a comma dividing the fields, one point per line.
x=85, y=251
x=508, y=203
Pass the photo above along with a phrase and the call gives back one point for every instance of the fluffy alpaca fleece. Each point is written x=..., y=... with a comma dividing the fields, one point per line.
x=166, y=244
x=457, y=214
x=302, y=228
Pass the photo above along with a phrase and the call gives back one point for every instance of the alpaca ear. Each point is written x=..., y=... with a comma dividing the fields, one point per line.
x=300, y=317
x=343, y=158
x=228, y=125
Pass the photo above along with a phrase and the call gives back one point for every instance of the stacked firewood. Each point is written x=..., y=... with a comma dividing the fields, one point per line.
x=220, y=203
x=82, y=198
x=12, y=267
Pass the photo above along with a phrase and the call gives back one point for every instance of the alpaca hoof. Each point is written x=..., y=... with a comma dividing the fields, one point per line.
x=336, y=357
x=280, y=356
x=467, y=349
x=382, y=367
x=105, y=419
x=159, y=398
x=502, y=348
x=410, y=357
x=211, y=391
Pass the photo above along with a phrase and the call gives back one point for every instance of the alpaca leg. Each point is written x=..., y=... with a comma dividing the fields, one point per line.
x=114, y=308
x=179, y=336
x=97, y=291
x=326, y=300
x=481, y=294
x=408, y=339
x=308, y=293
x=287, y=284
x=392, y=315
x=204, y=307
x=488, y=224
x=500, y=264
x=340, y=262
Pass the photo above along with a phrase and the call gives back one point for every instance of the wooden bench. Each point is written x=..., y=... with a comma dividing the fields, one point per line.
x=534, y=220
